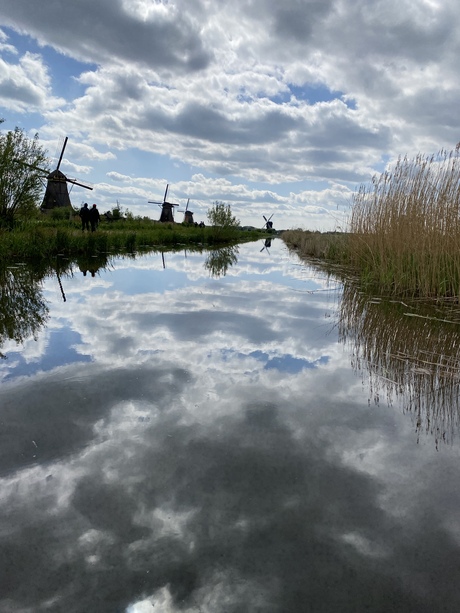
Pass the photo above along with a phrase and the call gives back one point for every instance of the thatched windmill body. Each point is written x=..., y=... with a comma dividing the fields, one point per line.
x=188, y=215
x=167, y=208
x=57, y=192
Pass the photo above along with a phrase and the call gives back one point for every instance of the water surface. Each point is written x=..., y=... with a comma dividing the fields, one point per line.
x=226, y=432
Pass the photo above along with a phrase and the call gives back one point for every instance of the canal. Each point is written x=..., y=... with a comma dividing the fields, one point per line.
x=224, y=432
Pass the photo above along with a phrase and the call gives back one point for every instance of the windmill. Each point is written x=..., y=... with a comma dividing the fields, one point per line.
x=188, y=215
x=267, y=245
x=268, y=225
x=167, y=210
x=57, y=193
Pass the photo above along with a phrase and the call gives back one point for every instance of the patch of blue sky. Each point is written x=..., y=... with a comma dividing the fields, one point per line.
x=280, y=279
x=384, y=163
x=313, y=94
x=135, y=282
x=29, y=122
x=290, y=364
x=245, y=97
x=286, y=363
x=306, y=285
x=157, y=281
x=60, y=351
x=136, y=163
x=64, y=71
x=286, y=189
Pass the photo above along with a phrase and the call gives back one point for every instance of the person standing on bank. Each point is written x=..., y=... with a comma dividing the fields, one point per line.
x=84, y=215
x=94, y=217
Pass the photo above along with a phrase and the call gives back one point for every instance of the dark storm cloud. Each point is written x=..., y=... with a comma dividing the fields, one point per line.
x=104, y=31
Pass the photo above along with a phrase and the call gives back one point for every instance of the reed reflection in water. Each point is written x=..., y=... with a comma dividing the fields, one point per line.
x=411, y=352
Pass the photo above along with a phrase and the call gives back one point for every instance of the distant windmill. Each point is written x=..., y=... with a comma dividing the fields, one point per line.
x=167, y=210
x=268, y=225
x=188, y=215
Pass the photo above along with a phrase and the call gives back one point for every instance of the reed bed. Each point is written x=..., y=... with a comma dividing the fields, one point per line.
x=403, y=237
x=405, y=228
x=330, y=246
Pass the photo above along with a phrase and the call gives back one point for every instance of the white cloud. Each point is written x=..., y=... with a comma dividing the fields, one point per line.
x=279, y=97
x=26, y=86
x=176, y=459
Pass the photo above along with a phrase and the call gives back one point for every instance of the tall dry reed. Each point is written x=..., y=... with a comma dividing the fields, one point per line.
x=405, y=227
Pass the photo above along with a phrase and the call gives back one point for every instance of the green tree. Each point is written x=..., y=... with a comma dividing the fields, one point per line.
x=219, y=260
x=223, y=222
x=23, y=309
x=22, y=161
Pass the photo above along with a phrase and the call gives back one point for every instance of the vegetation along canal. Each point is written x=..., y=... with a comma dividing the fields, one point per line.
x=224, y=431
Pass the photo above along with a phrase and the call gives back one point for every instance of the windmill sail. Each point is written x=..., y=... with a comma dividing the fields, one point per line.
x=268, y=225
x=167, y=208
x=188, y=215
x=57, y=192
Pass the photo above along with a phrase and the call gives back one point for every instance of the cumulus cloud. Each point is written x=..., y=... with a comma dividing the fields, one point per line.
x=258, y=92
x=114, y=32
x=26, y=85
x=184, y=467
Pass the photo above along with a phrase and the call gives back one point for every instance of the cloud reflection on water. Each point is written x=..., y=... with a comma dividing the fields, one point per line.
x=177, y=469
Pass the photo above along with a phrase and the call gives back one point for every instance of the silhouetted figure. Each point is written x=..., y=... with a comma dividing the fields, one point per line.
x=94, y=217
x=84, y=215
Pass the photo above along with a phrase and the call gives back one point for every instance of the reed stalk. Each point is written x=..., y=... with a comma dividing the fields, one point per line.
x=405, y=227
x=404, y=230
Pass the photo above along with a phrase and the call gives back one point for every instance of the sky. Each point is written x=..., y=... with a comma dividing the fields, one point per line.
x=279, y=109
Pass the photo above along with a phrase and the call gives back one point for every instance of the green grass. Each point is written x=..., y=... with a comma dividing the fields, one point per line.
x=47, y=237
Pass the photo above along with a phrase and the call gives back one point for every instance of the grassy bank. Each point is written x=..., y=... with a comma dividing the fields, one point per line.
x=47, y=238
x=404, y=230
x=328, y=246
